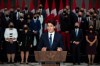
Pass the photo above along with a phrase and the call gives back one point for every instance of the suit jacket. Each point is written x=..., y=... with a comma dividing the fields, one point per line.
x=79, y=37
x=65, y=23
x=26, y=14
x=73, y=19
x=83, y=23
x=5, y=22
x=1, y=36
x=57, y=42
x=35, y=25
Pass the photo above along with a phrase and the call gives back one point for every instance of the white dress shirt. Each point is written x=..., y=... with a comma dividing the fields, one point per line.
x=53, y=33
x=41, y=21
x=17, y=15
x=11, y=33
x=77, y=30
x=79, y=19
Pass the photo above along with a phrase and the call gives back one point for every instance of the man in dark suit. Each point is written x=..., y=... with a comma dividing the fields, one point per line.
x=27, y=13
x=51, y=40
x=17, y=17
x=35, y=27
x=76, y=38
x=81, y=20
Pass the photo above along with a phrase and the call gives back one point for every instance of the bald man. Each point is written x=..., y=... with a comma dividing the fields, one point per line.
x=76, y=38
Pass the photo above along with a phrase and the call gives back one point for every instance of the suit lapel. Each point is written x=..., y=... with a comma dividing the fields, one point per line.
x=47, y=37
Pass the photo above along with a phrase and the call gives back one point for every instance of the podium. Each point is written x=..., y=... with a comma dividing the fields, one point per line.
x=50, y=58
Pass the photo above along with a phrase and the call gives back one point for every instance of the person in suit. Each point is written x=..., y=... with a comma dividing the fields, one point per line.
x=17, y=14
x=40, y=17
x=25, y=43
x=35, y=27
x=76, y=38
x=17, y=17
x=88, y=20
x=12, y=15
x=5, y=20
x=26, y=12
x=51, y=40
x=82, y=21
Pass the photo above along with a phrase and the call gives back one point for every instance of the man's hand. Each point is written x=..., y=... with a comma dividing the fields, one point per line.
x=76, y=42
x=34, y=31
x=44, y=49
x=31, y=45
x=59, y=49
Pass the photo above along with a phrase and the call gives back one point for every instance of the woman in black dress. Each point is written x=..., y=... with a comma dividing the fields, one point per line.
x=91, y=38
x=25, y=43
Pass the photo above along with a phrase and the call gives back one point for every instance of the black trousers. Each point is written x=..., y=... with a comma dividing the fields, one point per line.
x=1, y=55
x=37, y=39
x=76, y=53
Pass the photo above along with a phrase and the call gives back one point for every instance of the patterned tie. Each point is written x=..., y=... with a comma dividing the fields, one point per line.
x=50, y=40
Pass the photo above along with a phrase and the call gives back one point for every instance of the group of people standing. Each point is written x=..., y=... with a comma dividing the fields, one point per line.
x=78, y=28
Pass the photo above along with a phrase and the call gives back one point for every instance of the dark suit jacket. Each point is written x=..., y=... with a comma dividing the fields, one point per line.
x=26, y=14
x=57, y=42
x=83, y=24
x=73, y=19
x=35, y=25
x=1, y=37
x=65, y=23
x=77, y=38
x=5, y=22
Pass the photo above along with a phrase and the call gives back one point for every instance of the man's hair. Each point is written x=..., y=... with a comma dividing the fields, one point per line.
x=53, y=22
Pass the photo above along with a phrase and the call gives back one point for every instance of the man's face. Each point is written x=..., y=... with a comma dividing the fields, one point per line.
x=77, y=25
x=50, y=27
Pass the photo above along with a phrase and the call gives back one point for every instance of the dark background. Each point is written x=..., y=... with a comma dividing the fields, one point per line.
x=57, y=2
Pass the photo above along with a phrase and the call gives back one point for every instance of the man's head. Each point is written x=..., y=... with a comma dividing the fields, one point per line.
x=77, y=25
x=87, y=14
x=82, y=10
x=77, y=9
x=40, y=6
x=18, y=9
x=51, y=26
x=11, y=10
x=80, y=14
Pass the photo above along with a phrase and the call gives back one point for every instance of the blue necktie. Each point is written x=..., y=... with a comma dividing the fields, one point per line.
x=50, y=40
